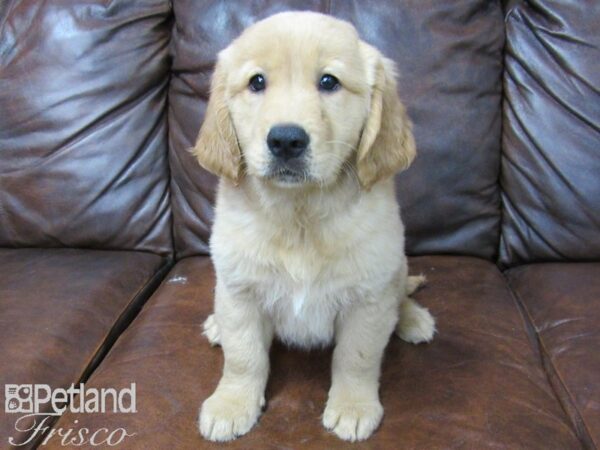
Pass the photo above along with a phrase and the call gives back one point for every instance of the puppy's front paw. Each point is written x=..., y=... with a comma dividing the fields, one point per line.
x=225, y=416
x=352, y=420
x=416, y=324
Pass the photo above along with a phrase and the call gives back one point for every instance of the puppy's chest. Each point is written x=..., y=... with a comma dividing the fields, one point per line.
x=303, y=290
x=303, y=314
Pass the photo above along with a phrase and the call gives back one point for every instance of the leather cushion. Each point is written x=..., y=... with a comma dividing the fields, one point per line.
x=563, y=304
x=550, y=163
x=478, y=385
x=83, y=159
x=61, y=311
x=450, y=59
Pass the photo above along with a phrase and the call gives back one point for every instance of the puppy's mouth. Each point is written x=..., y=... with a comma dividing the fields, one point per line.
x=286, y=175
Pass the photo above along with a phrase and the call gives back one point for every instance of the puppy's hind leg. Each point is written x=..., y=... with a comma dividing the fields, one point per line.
x=413, y=283
x=210, y=329
x=416, y=324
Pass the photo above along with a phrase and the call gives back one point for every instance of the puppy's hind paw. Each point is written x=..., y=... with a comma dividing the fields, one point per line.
x=414, y=282
x=211, y=330
x=416, y=324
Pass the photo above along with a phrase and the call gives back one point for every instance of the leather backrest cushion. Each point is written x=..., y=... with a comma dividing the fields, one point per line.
x=450, y=58
x=83, y=132
x=551, y=151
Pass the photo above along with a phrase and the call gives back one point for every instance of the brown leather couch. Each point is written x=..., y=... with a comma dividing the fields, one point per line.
x=105, y=216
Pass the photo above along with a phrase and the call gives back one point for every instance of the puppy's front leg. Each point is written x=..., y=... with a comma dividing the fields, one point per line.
x=246, y=336
x=353, y=409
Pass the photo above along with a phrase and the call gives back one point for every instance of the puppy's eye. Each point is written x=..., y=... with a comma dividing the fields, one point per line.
x=257, y=83
x=329, y=83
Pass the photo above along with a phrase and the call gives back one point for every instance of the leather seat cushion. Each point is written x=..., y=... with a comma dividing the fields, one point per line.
x=62, y=309
x=563, y=304
x=478, y=385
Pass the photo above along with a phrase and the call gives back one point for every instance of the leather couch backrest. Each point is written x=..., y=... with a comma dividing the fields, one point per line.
x=450, y=58
x=551, y=146
x=83, y=132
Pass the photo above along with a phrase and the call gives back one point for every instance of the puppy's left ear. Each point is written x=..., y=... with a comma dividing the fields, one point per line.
x=217, y=148
x=387, y=144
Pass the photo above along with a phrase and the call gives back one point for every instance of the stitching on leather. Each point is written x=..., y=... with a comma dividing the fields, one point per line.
x=565, y=398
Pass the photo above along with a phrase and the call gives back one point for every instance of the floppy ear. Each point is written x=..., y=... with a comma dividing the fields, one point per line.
x=387, y=144
x=217, y=148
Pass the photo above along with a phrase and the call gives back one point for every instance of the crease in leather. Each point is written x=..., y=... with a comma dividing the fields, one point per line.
x=509, y=6
x=116, y=178
x=127, y=316
x=179, y=184
x=166, y=197
x=549, y=66
x=512, y=210
x=194, y=92
x=524, y=218
x=186, y=187
x=561, y=392
x=536, y=31
x=506, y=156
x=103, y=121
x=168, y=194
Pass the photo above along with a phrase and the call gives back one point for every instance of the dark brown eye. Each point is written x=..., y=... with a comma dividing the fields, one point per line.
x=329, y=83
x=257, y=83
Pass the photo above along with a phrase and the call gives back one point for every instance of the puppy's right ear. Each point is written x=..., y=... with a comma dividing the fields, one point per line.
x=217, y=148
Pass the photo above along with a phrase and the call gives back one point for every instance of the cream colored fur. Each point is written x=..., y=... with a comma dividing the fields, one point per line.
x=315, y=262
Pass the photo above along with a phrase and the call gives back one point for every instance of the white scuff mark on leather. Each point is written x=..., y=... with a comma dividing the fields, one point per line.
x=177, y=280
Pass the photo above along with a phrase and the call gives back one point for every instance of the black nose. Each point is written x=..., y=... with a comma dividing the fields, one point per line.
x=287, y=141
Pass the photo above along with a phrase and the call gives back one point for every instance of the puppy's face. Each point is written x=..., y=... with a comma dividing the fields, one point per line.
x=298, y=99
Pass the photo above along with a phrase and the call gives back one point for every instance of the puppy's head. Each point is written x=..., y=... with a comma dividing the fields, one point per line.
x=299, y=99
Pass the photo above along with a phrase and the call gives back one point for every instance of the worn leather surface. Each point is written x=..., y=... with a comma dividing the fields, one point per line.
x=478, y=385
x=59, y=311
x=550, y=163
x=449, y=56
x=563, y=304
x=83, y=131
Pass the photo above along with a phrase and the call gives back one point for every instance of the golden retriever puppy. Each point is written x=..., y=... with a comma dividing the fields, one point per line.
x=305, y=129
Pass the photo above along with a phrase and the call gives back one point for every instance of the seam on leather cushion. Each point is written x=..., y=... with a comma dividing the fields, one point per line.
x=564, y=397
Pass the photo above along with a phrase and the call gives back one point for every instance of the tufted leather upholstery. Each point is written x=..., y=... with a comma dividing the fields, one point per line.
x=84, y=160
x=550, y=162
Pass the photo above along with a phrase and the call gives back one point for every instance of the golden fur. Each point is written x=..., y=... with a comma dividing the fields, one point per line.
x=316, y=261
